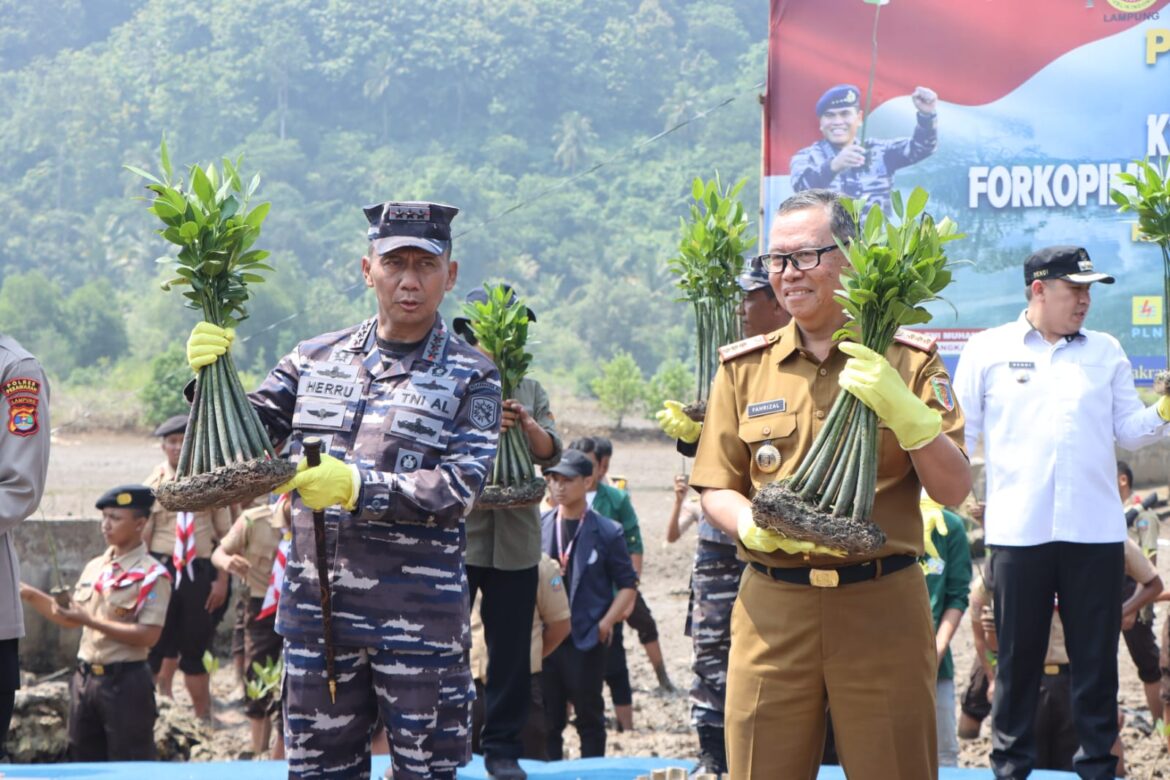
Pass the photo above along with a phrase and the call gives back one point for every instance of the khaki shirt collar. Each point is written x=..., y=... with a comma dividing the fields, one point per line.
x=127, y=560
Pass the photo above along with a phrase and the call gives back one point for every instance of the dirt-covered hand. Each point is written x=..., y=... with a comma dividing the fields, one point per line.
x=767, y=541
x=871, y=378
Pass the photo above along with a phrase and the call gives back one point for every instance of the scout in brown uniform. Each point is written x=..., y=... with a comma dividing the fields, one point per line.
x=120, y=602
x=182, y=541
x=862, y=641
x=248, y=551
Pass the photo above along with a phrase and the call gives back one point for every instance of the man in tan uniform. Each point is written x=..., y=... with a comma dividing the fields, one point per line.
x=24, y=461
x=859, y=638
x=182, y=541
x=120, y=602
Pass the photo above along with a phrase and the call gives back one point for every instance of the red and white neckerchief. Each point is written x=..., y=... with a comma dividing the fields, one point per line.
x=276, y=579
x=184, y=554
x=564, y=552
x=113, y=577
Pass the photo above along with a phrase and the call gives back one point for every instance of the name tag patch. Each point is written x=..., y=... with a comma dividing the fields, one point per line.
x=1021, y=364
x=417, y=427
x=767, y=407
x=320, y=414
x=442, y=405
x=329, y=388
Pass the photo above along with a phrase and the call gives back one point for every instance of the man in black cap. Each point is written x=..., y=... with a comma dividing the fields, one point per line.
x=409, y=417
x=120, y=603
x=1051, y=401
x=183, y=542
x=600, y=582
x=503, y=555
x=840, y=162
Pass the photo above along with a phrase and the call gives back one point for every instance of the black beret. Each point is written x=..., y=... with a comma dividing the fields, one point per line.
x=137, y=497
x=176, y=424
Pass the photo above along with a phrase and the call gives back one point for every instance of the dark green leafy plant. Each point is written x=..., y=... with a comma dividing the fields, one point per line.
x=209, y=219
x=710, y=257
x=500, y=325
x=894, y=268
x=1150, y=202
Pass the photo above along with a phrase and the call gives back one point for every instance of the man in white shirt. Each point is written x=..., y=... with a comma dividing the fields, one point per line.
x=1050, y=401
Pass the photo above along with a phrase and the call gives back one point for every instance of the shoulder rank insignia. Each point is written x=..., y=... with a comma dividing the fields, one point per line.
x=913, y=338
x=740, y=348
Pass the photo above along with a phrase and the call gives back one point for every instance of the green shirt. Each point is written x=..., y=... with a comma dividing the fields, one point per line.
x=948, y=578
x=1144, y=531
x=509, y=539
x=615, y=504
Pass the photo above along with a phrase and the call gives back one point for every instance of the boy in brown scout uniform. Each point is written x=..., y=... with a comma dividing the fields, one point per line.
x=182, y=542
x=248, y=551
x=120, y=602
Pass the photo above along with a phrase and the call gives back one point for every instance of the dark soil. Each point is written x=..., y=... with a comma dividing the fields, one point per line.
x=235, y=484
x=506, y=497
x=778, y=508
x=697, y=410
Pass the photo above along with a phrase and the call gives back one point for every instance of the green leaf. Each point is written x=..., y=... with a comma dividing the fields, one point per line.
x=165, y=158
x=139, y=172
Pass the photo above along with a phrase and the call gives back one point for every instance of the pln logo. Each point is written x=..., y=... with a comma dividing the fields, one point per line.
x=1147, y=310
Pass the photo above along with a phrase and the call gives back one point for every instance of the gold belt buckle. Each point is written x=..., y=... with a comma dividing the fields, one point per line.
x=97, y=669
x=823, y=578
x=1051, y=669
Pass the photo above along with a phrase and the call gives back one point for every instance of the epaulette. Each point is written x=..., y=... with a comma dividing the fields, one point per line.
x=913, y=338
x=742, y=347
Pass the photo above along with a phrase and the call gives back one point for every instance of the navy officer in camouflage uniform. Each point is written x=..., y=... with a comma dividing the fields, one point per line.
x=839, y=161
x=409, y=415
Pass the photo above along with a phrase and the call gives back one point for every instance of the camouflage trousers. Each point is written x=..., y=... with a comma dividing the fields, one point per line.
x=714, y=584
x=424, y=700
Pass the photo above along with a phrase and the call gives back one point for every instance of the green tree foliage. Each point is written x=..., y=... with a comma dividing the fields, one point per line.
x=671, y=382
x=95, y=323
x=162, y=397
x=620, y=387
x=341, y=104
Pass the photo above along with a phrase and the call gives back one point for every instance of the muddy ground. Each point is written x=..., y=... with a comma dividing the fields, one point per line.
x=83, y=465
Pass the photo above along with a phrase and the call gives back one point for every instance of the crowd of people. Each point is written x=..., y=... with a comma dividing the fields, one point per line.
x=802, y=654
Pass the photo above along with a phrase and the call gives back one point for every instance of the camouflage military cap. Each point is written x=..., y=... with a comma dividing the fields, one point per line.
x=137, y=497
x=840, y=96
x=396, y=224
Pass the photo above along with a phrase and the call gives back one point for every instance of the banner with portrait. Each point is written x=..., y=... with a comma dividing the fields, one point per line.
x=1014, y=116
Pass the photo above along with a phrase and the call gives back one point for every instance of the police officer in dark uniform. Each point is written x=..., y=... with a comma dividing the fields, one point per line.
x=409, y=415
x=120, y=602
x=839, y=161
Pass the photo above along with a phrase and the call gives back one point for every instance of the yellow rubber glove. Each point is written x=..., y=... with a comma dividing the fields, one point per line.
x=767, y=541
x=871, y=378
x=674, y=423
x=1164, y=407
x=206, y=343
x=333, y=483
x=932, y=520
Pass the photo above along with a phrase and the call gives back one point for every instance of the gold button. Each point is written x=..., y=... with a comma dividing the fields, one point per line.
x=766, y=430
x=824, y=372
x=820, y=414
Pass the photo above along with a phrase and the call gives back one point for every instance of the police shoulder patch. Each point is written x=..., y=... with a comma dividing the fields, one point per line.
x=741, y=348
x=913, y=338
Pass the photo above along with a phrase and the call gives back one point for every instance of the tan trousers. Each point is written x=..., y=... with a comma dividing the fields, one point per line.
x=866, y=650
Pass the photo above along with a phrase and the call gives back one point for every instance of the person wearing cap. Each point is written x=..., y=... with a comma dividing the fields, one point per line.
x=503, y=554
x=1050, y=400
x=600, y=582
x=24, y=464
x=839, y=161
x=813, y=626
x=183, y=542
x=409, y=417
x=120, y=603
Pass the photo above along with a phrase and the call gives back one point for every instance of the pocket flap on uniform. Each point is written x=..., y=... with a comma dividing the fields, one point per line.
x=776, y=426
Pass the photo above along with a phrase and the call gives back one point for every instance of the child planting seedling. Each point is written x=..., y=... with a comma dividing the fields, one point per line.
x=894, y=269
x=226, y=457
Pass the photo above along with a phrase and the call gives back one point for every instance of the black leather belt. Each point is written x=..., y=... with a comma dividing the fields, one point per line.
x=832, y=578
x=107, y=670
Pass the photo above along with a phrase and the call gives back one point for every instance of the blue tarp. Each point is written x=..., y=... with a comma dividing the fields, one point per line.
x=582, y=769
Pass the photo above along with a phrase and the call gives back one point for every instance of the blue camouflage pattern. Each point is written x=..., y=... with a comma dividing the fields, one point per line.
x=423, y=699
x=422, y=432
x=714, y=586
x=810, y=169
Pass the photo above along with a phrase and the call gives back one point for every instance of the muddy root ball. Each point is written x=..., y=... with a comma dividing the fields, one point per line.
x=501, y=497
x=238, y=483
x=778, y=508
x=697, y=411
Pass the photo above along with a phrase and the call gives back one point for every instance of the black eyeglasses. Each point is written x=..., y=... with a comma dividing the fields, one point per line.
x=801, y=259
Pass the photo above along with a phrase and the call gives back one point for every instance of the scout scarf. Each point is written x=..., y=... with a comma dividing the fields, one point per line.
x=114, y=577
x=276, y=579
x=184, y=553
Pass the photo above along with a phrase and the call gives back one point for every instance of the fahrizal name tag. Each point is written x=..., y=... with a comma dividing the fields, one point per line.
x=767, y=407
